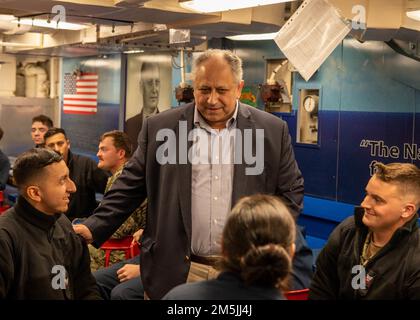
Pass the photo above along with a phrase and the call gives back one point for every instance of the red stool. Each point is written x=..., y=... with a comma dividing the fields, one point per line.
x=3, y=207
x=297, y=294
x=125, y=244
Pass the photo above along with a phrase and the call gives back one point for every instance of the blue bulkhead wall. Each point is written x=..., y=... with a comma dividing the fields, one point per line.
x=369, y=111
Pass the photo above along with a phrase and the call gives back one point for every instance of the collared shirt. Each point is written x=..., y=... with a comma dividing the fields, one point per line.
x=211, y=184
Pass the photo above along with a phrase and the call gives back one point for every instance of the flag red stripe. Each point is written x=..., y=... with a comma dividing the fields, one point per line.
x=79, y=112
x=78, y=105
x=88, y=80
x=93, y=87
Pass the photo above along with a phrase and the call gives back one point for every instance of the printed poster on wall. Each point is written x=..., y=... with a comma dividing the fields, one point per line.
x=149, y=79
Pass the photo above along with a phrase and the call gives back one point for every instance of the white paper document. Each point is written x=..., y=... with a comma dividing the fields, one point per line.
x=311, y=34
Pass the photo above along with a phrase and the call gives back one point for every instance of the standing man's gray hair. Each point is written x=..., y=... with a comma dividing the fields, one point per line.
x=232, y=59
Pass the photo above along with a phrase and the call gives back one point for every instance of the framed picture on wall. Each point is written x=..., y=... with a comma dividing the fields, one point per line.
x=149, y=89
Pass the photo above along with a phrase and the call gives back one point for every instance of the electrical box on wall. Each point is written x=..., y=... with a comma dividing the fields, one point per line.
x=277, y=91
x=307, y=121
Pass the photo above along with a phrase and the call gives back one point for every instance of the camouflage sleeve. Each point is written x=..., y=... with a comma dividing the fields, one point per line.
x=136, y=221
x=142, y=213
x=97, y=257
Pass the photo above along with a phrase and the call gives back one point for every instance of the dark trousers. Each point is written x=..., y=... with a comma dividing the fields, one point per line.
x=302, y=270
x=110, y=286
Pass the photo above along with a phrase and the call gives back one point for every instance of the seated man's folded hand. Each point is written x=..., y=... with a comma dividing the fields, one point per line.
x=128, y=272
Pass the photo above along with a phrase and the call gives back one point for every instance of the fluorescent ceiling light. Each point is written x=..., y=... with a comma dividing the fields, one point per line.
x=52, y=24
x=257, y=36
x=224, y=5
x=414, y=15
x=133, y=51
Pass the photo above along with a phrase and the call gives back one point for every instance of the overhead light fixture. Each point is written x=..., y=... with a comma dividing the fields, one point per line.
x=62, y=25
x=133, y=51
x=413, y=14
x=224, y=5
x=253, y=37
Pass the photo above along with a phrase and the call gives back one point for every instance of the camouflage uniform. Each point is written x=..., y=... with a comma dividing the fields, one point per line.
x=136, y=221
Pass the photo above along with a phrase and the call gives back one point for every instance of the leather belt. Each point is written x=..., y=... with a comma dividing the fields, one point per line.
x=209, y=260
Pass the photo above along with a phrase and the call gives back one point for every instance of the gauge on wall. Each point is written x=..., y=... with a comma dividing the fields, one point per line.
x=310, y=103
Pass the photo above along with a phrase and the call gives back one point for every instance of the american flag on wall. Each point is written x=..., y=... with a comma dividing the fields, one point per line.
x=80, y=93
